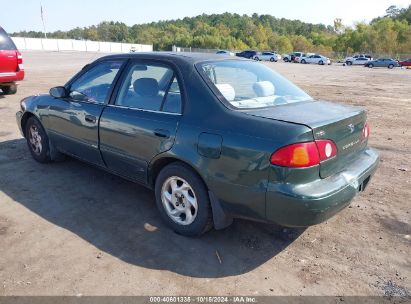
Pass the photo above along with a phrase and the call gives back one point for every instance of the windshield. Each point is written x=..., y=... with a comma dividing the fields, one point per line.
x=248, y=84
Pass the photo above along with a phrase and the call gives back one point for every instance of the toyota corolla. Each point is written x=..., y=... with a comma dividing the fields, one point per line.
x=215, y=137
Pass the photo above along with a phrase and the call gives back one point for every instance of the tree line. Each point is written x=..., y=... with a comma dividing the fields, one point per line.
x=389, y=34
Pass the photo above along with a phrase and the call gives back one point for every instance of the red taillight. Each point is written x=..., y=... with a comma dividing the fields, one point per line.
x=366, y=131
x=19, y=58
x=20, y=61
x=306, y=154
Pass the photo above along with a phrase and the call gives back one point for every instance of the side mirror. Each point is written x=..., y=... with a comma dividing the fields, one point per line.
x=59, y=92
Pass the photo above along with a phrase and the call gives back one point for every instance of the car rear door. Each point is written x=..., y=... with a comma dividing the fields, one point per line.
x=141, y=122
x=8, y=54
x=74, y=120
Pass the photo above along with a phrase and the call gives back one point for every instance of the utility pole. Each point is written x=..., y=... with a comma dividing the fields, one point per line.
x=42, y=20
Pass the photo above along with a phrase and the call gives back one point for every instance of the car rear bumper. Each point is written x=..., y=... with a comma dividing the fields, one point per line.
x=309, y=204
x=11, y=77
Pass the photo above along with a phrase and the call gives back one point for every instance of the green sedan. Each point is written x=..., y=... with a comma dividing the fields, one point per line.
x=215, y=137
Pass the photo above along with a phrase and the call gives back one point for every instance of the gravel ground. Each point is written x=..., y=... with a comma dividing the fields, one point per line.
x=69, y=229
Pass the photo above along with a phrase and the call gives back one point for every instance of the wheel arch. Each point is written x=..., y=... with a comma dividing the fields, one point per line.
x=162, y=161
x=24, y=120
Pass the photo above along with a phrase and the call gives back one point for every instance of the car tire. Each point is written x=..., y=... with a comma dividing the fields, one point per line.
x=370, y=65
x=303, y=61
x=349, y=63
x=272, y=59
x=37, y=140
x=10, y=89
x=256, y=58
x=391, y=66
x=174, y=203
x=286, y=59
x=321, y=62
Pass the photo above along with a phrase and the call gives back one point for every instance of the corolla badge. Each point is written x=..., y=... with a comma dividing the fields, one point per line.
x=351, y=127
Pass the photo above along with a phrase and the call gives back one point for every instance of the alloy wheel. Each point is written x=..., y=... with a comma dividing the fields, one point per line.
x=35, y=140
x=179, y=200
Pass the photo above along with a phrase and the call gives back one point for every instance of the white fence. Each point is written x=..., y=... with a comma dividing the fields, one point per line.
x=39, y=44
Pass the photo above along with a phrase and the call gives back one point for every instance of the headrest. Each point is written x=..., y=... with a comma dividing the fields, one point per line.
x=226, y=90
x=264, y=88
x=147, y=87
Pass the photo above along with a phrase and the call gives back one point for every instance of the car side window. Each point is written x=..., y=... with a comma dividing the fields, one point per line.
x=172, y=102
x=95, y=83
x=6, y=44
x=150, y=87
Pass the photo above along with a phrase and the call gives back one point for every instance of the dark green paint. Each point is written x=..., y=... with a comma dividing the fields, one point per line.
x=229, y=149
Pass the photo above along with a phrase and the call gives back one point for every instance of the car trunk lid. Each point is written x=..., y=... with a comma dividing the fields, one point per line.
x=340, y=123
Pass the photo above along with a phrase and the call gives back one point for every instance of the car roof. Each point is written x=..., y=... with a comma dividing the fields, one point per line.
x=181, y=56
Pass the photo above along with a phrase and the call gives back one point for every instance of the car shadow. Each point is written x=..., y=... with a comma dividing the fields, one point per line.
x=120, y=218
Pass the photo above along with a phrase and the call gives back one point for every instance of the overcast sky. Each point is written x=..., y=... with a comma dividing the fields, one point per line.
x=67, y=14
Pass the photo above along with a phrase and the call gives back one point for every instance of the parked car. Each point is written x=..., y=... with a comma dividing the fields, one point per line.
x=247, y=54
x=316, y=59
x=358, y=61
x=350, y=60
x=216, y=138
x=266, y=56
x=225, y=52
x=304, y=55
x=11, y=64
x=405, y=63
x=292, y=57
x=382, y=63
x=298, y=59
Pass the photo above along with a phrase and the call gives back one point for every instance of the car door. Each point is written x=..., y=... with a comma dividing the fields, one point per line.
x=142, y=120
x=74, y=119
x=380, y=63
x=359, y=61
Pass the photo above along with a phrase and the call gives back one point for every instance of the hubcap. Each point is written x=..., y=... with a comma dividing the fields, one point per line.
x=35, y=140
x=179, y=200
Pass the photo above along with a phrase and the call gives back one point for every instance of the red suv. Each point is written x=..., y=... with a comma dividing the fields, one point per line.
x=11, y=64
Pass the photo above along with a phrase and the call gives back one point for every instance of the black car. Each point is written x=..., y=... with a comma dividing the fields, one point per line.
x=246, y=54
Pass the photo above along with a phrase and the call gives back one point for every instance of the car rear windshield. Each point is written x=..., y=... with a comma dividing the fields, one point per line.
x=6, y=44
x=248, y=84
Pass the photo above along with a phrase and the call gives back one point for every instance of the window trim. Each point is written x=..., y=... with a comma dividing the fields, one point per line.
x=176, y=75
x=143, y=110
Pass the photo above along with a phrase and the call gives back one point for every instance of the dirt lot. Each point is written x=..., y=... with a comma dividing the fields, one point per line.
x=68, y=228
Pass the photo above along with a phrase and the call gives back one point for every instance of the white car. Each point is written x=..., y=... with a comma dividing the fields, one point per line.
x=316, y=59
x=224, y=52
x=267, y=56
x=350, y=60
x=305, y=55
x=357, y=61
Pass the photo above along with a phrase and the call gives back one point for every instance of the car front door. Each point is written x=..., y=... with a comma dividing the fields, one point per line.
x=380, y=63
x=74, y=119
x=142, y=120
